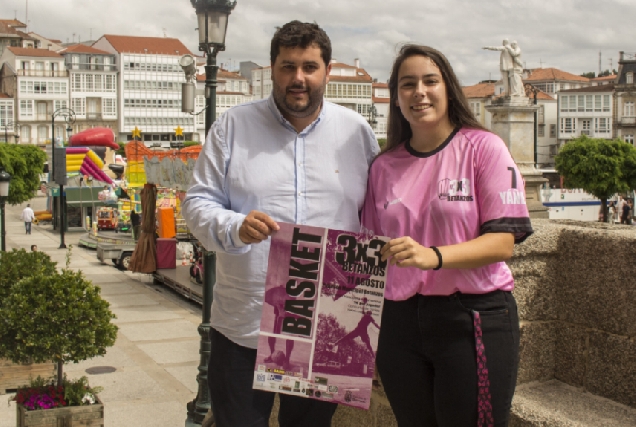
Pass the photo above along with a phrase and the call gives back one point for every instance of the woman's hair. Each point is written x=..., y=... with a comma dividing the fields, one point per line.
x=399, y=129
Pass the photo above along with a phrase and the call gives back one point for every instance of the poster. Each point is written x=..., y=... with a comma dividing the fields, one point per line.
x=324, y=294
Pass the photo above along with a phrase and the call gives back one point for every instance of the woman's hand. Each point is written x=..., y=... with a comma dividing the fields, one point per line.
x=406, y=252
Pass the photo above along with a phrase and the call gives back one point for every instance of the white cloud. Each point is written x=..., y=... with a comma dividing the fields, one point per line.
x=567, y=34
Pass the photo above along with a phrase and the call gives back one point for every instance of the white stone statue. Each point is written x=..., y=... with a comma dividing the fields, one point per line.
x=511, y=68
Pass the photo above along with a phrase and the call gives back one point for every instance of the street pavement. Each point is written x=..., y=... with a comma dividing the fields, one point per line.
x=157, y=349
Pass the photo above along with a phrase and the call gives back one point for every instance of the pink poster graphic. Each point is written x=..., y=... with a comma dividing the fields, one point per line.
x=321, y=318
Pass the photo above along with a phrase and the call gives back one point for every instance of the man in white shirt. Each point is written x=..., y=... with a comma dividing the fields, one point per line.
x=27, y=216
x=294, y=158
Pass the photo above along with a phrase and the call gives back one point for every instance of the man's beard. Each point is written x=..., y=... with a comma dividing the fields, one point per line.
x=314, y=101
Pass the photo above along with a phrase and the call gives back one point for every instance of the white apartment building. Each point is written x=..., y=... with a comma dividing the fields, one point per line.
x=381, y=101
x=625, y=98
x=351, y=87
x=232, y=89
x=38, y=82
x=586, y=111
x=93, y=87
x=553, y=80
x=149, y=87
x=7, y=118
x=261, y=82
x=12, y=35
x=479, y=96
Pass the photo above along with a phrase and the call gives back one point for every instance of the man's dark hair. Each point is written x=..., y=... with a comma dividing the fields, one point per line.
x=303, y=35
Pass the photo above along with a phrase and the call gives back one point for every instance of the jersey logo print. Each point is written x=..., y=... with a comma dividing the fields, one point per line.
x=512, y=197
x=455, y=190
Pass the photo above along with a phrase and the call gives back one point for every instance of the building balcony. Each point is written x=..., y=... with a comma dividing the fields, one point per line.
x=628, y=121
x=42, y=73
x=93, y=116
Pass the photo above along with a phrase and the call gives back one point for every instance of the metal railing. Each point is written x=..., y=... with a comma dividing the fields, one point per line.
x=42, y=73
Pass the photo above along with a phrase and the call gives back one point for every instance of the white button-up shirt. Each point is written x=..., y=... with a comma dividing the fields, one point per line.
x=254, y=159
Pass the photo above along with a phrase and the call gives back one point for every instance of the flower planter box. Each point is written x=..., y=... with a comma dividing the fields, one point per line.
x=70, y=416
x=13, y=376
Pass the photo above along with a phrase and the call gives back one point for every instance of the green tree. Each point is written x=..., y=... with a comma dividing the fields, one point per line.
x=120, y=150
x=24, y=163
x=599, y=166
x=55, y=316
x=589, y=75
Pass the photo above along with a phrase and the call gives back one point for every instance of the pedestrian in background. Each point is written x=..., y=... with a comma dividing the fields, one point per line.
x=27, y=216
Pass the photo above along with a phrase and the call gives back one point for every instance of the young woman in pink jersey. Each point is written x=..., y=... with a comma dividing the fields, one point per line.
x=451, y=197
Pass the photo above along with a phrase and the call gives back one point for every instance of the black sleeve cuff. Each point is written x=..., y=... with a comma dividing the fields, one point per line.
x=520, y=227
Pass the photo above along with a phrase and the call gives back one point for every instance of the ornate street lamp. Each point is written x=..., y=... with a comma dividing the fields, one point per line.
x=373, y=113
x=213, y=17
x=529, y=88
x=59, y=175
x=5, y=179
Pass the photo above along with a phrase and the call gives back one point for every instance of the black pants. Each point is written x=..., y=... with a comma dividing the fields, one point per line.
x=427, y=357
x=236, y=404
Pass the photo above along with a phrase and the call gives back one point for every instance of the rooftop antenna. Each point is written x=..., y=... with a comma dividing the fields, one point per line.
x=91, y=34
x=73, y=37
x=164, y=32
x=27, y=16
x=611, y=65
x=599, y=64
x=540, y=63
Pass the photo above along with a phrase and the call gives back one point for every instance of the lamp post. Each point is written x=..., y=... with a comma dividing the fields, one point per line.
x=60, y=176
x=5, y=179
x=373, y=113
x=530, y=88
x=9, y=124
x=69, y=129
x=212, y=16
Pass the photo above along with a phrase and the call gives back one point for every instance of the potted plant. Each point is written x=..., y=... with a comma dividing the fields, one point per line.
x=57, y=317
x=14, y=266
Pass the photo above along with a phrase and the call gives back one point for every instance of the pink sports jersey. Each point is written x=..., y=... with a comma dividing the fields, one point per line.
x=466, y=187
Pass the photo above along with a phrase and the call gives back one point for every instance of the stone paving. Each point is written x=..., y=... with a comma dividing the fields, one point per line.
x=157, y=350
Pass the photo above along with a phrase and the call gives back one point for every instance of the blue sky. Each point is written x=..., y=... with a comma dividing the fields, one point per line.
x=566, y=34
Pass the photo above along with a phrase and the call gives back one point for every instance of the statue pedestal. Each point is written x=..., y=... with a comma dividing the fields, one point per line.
x=513, y=121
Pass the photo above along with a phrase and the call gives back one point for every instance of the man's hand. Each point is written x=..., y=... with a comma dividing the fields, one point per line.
x=257, y=226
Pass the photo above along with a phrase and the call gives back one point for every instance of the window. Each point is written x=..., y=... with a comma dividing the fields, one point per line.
x=568, y=125
x=581, y=103
x=79, y=106
x=541, y=130
x=588, y=103
x=26, y=108
x=475, y=107
x=109, y=107
x=629, y=138
x=59, y=104
x=552, y=131
x=6, y=113
x=563, y=100
x=585, y=128
x=628, y=109
x=597, y=103
x=601, y=125
x=606, y=103
x=76, y=81
x=541, y=115
x=89, y=82
x=75, y=60
x=629, y=78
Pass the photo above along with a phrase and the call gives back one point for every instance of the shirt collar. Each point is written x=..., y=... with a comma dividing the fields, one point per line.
x=283, y=121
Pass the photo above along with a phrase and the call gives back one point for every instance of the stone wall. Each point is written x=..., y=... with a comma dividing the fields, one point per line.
x=576, y=293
